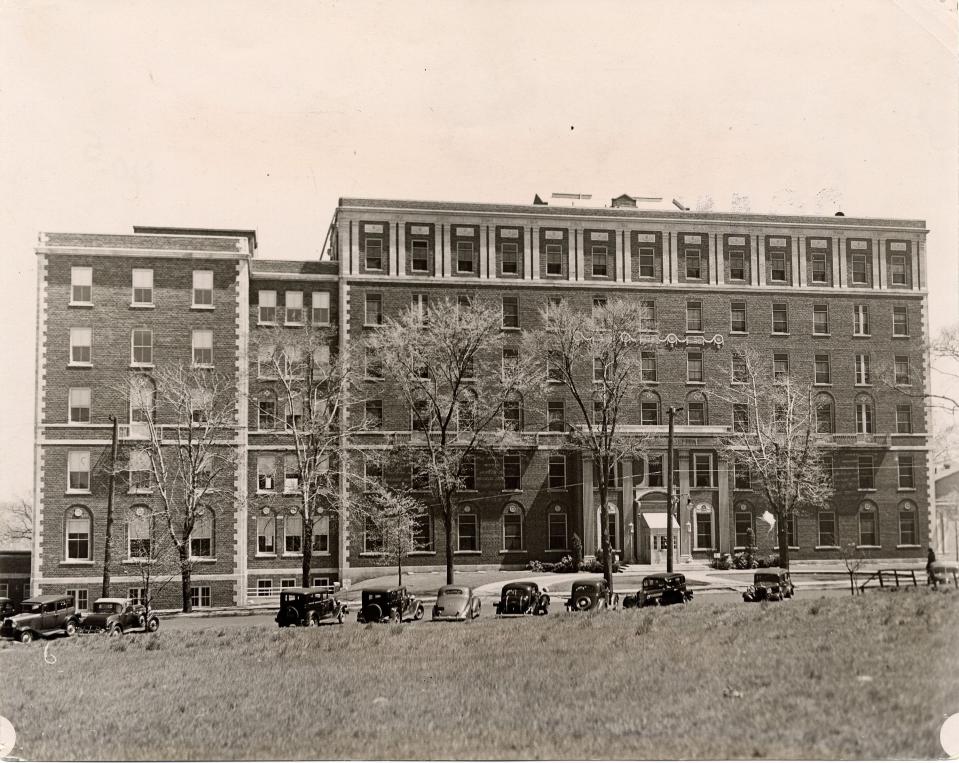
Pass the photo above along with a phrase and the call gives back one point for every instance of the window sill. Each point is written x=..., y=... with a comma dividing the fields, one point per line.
x=863, y=386
x=467, y=553
x=559, y=550
x=822, y=384
x=869, y=547
x=826, y=548
x=267, y=324
x=202, y=365
x=814, y=333
x=71, y=364
x=292, y=555
x=696, y=332
x=503, y=551
x=201, y=307
x=203, y=559
x=264, y=555
x=142, y=305
x=779, y=333
x=696, y=383
x=77, y=492
x=141, y=366
x=77, y=563
x=908, y=545
x=370, y=325
x=294, y=324
x=866, y=490
x=139, y=492
x=901, y=336
x=421, y=553
x=79, y=304
x=511, y=490
x=906, y=490
x=321, y=553
x=862, y=336
x=510, y=328
x=557, y=490
x=738, y=333
x=138, y=560
x=555, y=275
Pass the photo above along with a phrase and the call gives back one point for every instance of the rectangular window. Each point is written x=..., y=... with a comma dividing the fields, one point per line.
x=694, y=366
x=820, y=319
x=321, y=308
x=647, y=320
x=866, y=473
x=291, y=474
x=372, y=364
x=294, y=308
x=512, y=416
x=81, y=346
x=780, y=367
x=599, y=307
x=512, y=532
x=78, y=537
x=554, y=260
x=696, y=413
x=202, y=288
x=827, y=528
x=907, y=479
x=265, y=474
x=467, y=535
x=902, y=369
x=868, y=529
x=79, y=405
x=822, y=370
x=740, y=417
x=81, y=286
x=512, y=472
x=777, y=266
x=557, y=472
x=468, y=473
x=266, y=534
x=143, y=287
x=648, y=364
x=860, y=320
x=649, y=413
x=420, y=256
x=373, y=315
x=464, y=257
x=267, y=305
x=200, y=596
x=739, y=370
x=702, y=470
x=599, y=370
x=704, y=530
x=862, y=369
x=694, y=317
x=859, y=269
x=374, y=414
x=907, y=526
x=510, y=359
x=647, y=269
x=78, y=471
x=900, y=322
x=140, y=470
x=557, y=537
x=742, y=478
x=420, y=308
x=737, y=266
x=510, y=312
x=81, y=598
x=202, y=347
x=863, y=417
x=201, y=539
x=744, y=523
x=374, y=253
x=293, y=534
x=780, y=319
x=142, y=347
x=824, y=417
x=693, y=264
x=792, y=534
x=817, y=267
x=266, y=413
x=897, y=270
x=321, y=535
x=423, y=532
x=737, y=317
x=600, y=265
x=555, y=416
x=655, y=467
x=509, y=257
x=904, y=419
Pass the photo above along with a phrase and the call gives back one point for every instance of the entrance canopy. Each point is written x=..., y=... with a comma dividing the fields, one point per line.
x=656, y=520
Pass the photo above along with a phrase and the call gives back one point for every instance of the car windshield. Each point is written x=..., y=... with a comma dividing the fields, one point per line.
x=29, y=607
x=584, y=588
x=376, y=595
x=653, y=583
x=107, y=607
x=288, y=597
x=768, y=579
x=452, y=592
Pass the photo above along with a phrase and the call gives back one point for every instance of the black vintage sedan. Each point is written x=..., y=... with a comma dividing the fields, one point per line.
x=393, y=604
x=522, y=598
x=591, y=595
x=660, y=589
x=770, y=585
x=118, y=616
x=309, y=606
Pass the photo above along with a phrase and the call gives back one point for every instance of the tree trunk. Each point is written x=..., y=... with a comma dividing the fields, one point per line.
x=399, y=569
x=448, y=533
x=783, y=540
x=852, y=582
x=185, y=579
x=307, y=553
x=604, y=527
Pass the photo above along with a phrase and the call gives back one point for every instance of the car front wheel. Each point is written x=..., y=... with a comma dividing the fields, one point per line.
x=419, y=613
x=26, y=637
x=115, y=630
x=153, y=624
x=70, y=628
x=583, y=603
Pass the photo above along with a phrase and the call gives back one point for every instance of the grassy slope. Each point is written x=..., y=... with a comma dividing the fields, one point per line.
x=634, y=684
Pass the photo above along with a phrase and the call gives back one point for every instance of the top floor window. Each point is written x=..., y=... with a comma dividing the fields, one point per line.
x=647, y=262
x=554, y=259
x=321, y=308
x=860, y=269
x=419, y=255
x=737, y=265
x=693, y=264
x=373, y=247
x=817, y=267
x=897, y=269
x=81, y=286
x=464, y=257
x=267, y=303
x=600, y=263
x=777, y=266
x=294, y=307
x=143, y=287
x=202, y=288
x=509, y=258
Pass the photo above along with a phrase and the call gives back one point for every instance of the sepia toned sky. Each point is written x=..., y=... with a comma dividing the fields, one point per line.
x=260, y=115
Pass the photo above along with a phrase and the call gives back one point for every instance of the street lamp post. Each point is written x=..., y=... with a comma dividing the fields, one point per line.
x=670, y=412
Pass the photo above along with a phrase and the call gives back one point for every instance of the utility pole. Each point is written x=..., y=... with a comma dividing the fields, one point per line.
x=108, y=540
x=670, y=412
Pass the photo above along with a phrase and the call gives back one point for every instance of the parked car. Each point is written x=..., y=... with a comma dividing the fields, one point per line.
x=522, y=598
x=117, y=616
x=660, y=589
x=383, y=605
x=591, y=595
x=770, y=585
x=309, y=606
x=6, y=608
x=455, y=602
x=46, y=615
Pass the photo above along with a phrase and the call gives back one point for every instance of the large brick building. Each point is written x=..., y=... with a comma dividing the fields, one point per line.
x=835, y=299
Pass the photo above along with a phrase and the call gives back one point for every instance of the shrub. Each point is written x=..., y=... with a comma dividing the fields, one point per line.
x=773, y=560
x=565, y=565
x=721, y=562
x=534, y=566
x=577, y=551
x=743, y=560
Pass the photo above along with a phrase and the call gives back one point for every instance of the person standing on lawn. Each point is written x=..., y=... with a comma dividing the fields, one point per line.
x=930, y=575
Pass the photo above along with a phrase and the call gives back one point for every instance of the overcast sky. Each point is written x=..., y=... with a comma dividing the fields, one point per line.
x=261, y=115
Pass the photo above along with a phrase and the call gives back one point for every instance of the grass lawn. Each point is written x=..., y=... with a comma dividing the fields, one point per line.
x=866, y=677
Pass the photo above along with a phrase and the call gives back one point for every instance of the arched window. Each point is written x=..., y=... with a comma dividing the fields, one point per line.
x=266, y=533
x=77, y=543
x=557, y=538
x=868, y=524
x=908, y=527
x=649, y=408
x=292, y=533
x=744, y=523
x=467, y=529
x=825, y=414
x=423, y=532
x=864, y=415
x=372, y=537
x=512, y=527
x=140, y=533
x=703, y=527
x=201, y=539
x=266, y=410
x=696, y=410
x=827, y=529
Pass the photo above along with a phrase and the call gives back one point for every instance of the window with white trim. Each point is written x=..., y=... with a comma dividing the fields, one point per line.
x=141, y=347
x=906, y=472
x=266, y=534
x=860, y=269
x=600, y=262
x=817, y=267
x=77, y=541
x=866, y=473
x=744, y=523
x=373, y=251
x=897, y=270
x=292, y=534
x=826, y=522
x=780, y=367
x=513, y=527
x=81, y=346
x=140, y=471
x=512, y=472
x=737, y=317
x=900, y=321
x=203, y=348
x=648, y=365
x=864, y=416
x=291, y=474
x=266, y=300
x=822, y=370
x=554, y=259
x=419, y=256
x=78, y=471
x=694, y=366
x=293, y=302
x=904, y=419
x=200, y=597
x=373, y=313
x=464, y=257
x=81, y=286
x=143, y=287
x=509, y=258
x=820, y=319
x=694, y=317
x=780, y=318
x=467, y=530
x=557, y=472
x=860, y=320
x=702, y=466
x=79, y=405
x=201, y=539
x=321, y=308
x=265, y=474
x=863, y=376
x=703, y=530
x=321, y=535
x=81, y=598
x=693, y=263
x=202, y=288
x=556, y=538
x=137, y=595
x=868, y=524
x=908, y=526
x=139, y=533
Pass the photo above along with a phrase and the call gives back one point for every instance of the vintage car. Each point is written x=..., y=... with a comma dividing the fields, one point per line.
x=455, y=602
x=384, y=605
x=48, y=615
x=309, y=606
x=6, y=608
x=769, y=585
x=660, y=589
x=590, y=595
x=522, y=598
x=118, y=616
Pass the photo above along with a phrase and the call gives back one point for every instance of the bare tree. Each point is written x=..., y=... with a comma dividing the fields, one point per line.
x=16, y=522
x=308, y=388
x=393, y=516
x=447, y=363
x=148, y=550
x=187, y=417
x=775, y=438
x=853, y=559
x=597, y=358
